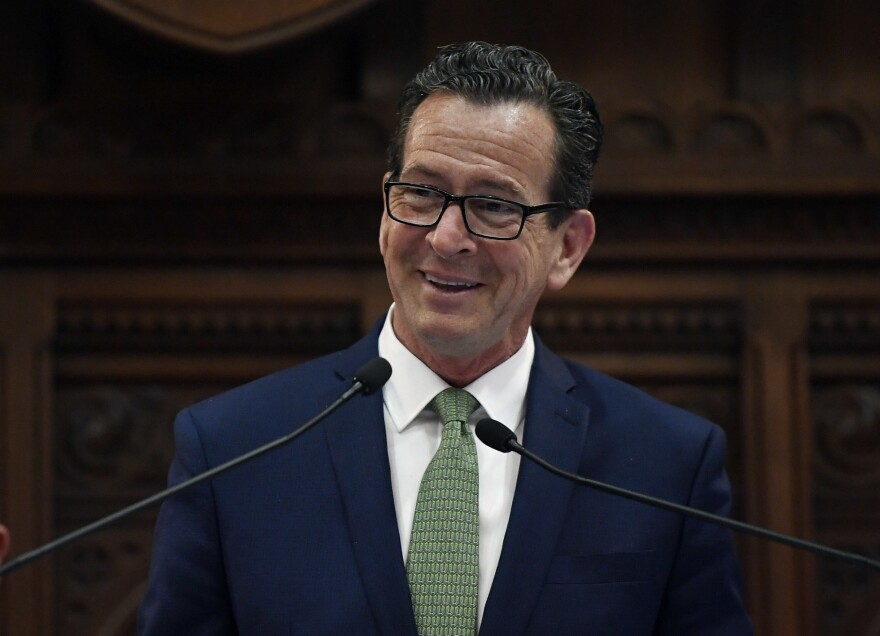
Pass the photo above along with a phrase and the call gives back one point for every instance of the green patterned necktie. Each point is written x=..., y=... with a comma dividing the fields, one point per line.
x=444, y=553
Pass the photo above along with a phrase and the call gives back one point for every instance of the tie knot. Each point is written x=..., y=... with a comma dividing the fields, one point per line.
x=454, y=405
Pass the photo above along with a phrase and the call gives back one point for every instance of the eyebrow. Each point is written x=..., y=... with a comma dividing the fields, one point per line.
x=418, y=170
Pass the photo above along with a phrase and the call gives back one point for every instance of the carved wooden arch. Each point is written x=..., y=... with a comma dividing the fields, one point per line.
x=230, y=26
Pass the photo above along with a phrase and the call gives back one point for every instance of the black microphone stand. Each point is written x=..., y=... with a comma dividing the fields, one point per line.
x=367, y=380
x=499, y=437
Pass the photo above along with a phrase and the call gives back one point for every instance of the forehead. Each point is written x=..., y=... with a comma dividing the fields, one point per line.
x=509, y=144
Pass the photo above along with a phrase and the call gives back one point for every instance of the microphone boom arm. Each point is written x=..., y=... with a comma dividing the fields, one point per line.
x=731, y=524
x=367, y=380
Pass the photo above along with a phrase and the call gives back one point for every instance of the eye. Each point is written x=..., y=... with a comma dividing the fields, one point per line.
x=414, y=193
x=493, y=207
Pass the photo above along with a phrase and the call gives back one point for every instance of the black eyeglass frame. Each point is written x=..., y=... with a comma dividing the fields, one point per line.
x=448, y=197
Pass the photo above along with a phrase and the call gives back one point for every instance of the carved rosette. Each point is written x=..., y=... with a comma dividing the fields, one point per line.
x=117, y=391
x=110, y=437
x=847, y=430
x=849, y=594
x=102, y=583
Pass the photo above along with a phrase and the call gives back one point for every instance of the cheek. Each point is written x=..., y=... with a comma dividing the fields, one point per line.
x=525, y=266
x=393, y=242
x=401, y=249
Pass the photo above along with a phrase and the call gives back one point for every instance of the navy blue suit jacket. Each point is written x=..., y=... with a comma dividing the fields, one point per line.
x=304, y=539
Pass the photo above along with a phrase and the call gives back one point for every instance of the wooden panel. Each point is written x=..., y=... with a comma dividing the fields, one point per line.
x=130, y=352
x=612, y=48
x=686, y=88
x=196, y=220
x=132, y=347
x=845, y=414
x=26, y=602
x=840, y=52
x=781, y=579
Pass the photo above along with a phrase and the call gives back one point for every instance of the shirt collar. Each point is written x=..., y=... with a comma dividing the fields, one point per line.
x=501, y=391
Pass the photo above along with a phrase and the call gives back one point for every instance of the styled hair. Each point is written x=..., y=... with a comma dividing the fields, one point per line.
x=490, y=74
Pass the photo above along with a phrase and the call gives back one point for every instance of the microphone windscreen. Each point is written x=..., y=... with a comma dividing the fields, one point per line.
x=494, y=434
x=373, y=375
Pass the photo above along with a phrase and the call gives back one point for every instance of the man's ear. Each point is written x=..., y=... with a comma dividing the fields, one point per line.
x=578, y=232
x=383, y=223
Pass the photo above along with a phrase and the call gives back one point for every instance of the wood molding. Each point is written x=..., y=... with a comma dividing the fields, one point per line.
x=781, y=581
x=227, y=26
x=341, y=230
x=27, y=602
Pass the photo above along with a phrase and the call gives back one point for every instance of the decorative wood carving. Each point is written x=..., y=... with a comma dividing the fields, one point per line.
x=849, y=596
x=635, y=326
x=101, y=581
x=137, y=171
x=847, y=423
x=113, y=433
x=111, y=440
x=828, y=149
x=271, y=135
x=586, y=328
x=261, y=328
x=740, y=128
x=845, y=326
x=845, y=410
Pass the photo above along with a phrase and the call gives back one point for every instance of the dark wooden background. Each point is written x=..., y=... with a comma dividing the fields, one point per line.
x=190, y=194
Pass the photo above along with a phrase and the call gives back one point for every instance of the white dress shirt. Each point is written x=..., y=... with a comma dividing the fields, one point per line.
x=413, y=433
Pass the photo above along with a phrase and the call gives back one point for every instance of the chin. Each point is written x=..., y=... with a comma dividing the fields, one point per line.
x=447, y=336
x=457, y=342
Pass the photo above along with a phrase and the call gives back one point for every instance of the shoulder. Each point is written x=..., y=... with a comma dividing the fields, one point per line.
x=253, y=414
x=612, y=397
x=624, y=417
x=274, y=405
x=283, y=389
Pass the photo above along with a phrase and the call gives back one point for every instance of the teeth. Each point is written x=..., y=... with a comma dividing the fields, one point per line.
x=451, y=283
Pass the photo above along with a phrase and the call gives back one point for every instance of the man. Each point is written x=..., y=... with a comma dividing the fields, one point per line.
x=485, y=208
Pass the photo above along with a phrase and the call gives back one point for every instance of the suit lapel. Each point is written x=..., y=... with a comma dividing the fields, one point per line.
x=555, y=429
x=359, y=452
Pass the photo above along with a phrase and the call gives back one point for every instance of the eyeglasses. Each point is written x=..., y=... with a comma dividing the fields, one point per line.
x=484, y=215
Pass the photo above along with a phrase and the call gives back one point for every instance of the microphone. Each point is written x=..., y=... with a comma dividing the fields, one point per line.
x=368, y=379
x=371, y=377
x=496, y=435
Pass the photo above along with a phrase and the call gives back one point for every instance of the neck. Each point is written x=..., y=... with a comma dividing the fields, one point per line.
x=461, y=370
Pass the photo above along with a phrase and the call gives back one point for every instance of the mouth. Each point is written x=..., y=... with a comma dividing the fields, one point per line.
x=450, y=285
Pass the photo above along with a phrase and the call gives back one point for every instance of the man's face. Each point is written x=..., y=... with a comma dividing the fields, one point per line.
x=460, y=297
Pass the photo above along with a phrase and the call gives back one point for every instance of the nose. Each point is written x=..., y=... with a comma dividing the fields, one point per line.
x=450, y=236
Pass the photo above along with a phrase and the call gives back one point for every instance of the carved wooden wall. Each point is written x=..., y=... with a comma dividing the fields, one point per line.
x=180, y=215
